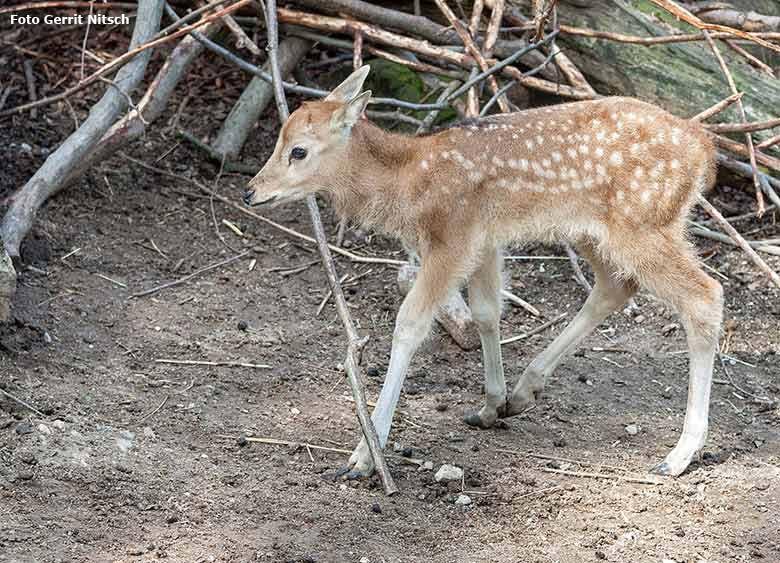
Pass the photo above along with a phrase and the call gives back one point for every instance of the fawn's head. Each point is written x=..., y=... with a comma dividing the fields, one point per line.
x=312, y=141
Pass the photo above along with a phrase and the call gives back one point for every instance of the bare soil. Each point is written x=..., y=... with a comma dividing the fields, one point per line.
x=135, y=460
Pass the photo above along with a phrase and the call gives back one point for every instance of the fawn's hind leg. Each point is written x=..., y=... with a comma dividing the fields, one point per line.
x=678, y=279
x=609, y=293
x=485, y=303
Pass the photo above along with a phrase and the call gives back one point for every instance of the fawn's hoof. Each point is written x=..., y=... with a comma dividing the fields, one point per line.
x=475, y=419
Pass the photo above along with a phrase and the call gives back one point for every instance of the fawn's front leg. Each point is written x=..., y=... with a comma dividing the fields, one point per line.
x=412, y=325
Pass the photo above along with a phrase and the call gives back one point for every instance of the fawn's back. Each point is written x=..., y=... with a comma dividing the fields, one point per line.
x=594, y=169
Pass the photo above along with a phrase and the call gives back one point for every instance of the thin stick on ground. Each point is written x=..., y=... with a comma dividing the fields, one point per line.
x=354, y=342
x=21, y=402
x=542, y=327
x=732, y=232
x=743, y=115
x=277, y=442
x=194, y=274
x=155, y=411
x=213, y=364
x=575, y=265
x=608, y=476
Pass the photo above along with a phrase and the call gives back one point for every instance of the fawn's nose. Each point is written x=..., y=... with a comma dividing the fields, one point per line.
x=248, y=194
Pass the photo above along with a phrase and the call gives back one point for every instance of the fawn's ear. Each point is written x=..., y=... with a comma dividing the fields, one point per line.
x=351, y=86
x=349, y=114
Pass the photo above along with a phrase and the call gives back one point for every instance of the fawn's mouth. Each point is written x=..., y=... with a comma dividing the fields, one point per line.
x=249, y=203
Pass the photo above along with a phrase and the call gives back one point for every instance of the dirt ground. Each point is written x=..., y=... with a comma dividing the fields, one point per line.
x=135, y=460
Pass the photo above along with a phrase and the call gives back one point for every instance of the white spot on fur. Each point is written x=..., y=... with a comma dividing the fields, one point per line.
x=616, y=158
x=645, y=196
x=424, y=164
x=676, y=132
x=639, y=172
x=571, y=152
x=675, y=164
x=556, y=156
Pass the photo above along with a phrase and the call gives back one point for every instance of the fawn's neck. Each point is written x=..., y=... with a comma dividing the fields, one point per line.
x=371, y=184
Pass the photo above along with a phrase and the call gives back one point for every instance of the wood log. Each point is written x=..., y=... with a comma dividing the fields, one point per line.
x=683, y=78
x=254, y=99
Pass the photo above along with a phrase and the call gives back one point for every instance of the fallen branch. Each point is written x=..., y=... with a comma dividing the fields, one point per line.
x=135, y=49
x=355, y=343
x=50, y=177
x=732, y=232
x=717, y=108
x=683, y=14
x=743, y=115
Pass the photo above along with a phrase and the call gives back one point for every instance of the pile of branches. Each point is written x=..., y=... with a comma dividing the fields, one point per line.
x=475, y=56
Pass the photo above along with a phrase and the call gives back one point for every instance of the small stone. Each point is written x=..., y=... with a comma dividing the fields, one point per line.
x=43, y=429
x=559, y=442
x=243, y=326
x=294, y=411
x=582, y=378
x=442, y=406
x=242, y=441
x=24, y=475
x=447, y=473
x=601, y=555
x=669, y=328
x=406, y=452
x=372, y=372
x=172, y=519
x=397, y=447
x=364, y=560
x=632, y=429
x=376, y=509
x=639, y=319
x=463, y=500
x=667, y=393
x=149, y=433
x=427, y=466
x=24, y=428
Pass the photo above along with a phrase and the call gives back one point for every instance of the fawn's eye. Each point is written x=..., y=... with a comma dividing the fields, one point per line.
x=297, y=153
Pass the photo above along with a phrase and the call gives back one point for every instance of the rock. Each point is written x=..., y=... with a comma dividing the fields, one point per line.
x=43, y=429
x=294, y=411
x=149, y=433
x=24, y=475
x=442, y=406
x=426, y=466
x=463, y=500
x=447, y=473
x=669, y=329
x=632, y=429
x=639, y=319
x=243, y=326
x=125, y=441
x=24, y=428
x=406, y=452
x=376, y=508
x=559, y=442
x=372, y=372
x=364, y=560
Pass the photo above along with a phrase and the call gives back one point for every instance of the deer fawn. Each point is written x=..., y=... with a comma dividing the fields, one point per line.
x=616, y=177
